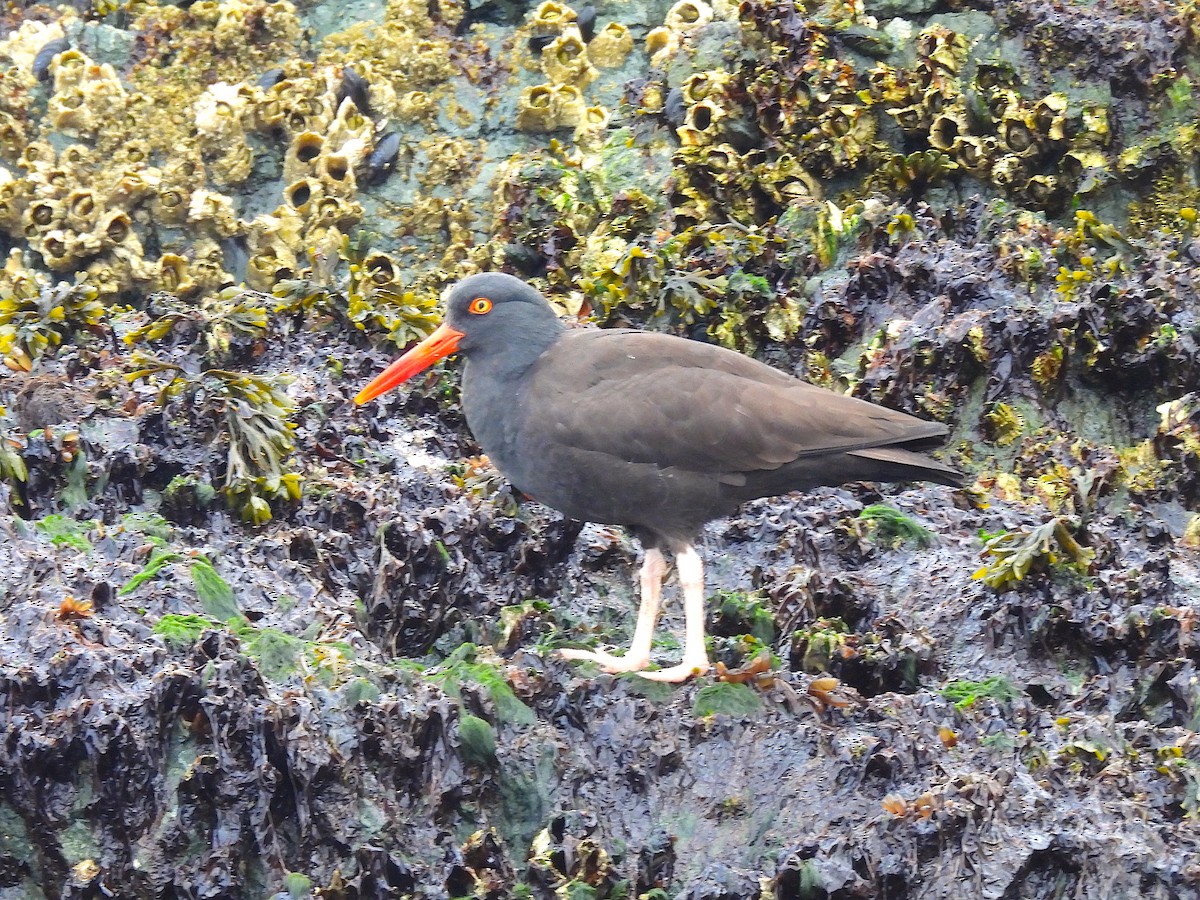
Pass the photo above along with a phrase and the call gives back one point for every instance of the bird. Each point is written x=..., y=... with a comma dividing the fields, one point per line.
x=650, y=431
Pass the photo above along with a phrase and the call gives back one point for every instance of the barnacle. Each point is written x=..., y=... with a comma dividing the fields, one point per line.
x=336, y=174
x=265, y=269
x=913, y=119
x=535, y=109
x=42, y=215
x=1049, y=116
x=944, y=48
x=171, y=274
x=131, y=186
x=329, y=211
x=975, y=154
x=37, y=155
x=700, y=85
x=87, y=97
x=661, y=44
x=171, y=204
x=267, y=115
x=117, y=228
x=219, y=111
x=414, y=106
x=380, y=269
x=687, y=15
x=214, y=210
x=302, y=154
x=206, y=268
x=565, y=60
x=702, y=125
x=74, y=161
x=1008, y=171
x=233, y=165
x=551, y=17
x=611, y=46
x=1001, y=104
x=850, y=128
x=349, y=130
x=14, y=135
x=13, y=200
x=568, y=106
x=81, y=210
x=1046, y=192
x=270, y=240
x=57, y=248
x=1018, y=134
x=449, y=161
x=592, y=126
x=300, y=194
x=947, y=128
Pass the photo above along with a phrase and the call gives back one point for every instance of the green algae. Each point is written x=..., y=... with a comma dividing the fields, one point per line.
x=726, y=699
x=965, y=694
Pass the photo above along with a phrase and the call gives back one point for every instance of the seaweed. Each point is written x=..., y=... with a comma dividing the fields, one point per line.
x=965, y=694
x=158, y=558
x=215, y=594
x=462, y=668
x=726, y=698
x=227, y=324
x=183, y=629
x=1016, y=554
x=65, y=531
x=254, y=412
x=36, y=318
x=477, y=740
x=894, y=527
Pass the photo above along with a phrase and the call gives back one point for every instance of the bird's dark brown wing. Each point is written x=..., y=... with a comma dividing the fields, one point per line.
x=653, y=398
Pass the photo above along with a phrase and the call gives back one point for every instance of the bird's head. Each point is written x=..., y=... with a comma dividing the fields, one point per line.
x=490, y=310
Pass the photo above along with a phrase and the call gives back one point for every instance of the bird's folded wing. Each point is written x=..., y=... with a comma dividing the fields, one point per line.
x=709, y=410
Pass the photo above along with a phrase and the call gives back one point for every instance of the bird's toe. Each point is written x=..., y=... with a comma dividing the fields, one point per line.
x=609, y=663
x=677, y=674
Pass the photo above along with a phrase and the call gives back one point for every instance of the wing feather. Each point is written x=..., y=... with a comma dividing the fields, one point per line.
x=650, y=398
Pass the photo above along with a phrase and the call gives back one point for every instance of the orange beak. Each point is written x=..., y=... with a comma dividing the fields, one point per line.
x=438, y=345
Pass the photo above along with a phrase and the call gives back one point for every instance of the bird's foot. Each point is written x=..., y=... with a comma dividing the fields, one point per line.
x=609, y=663
x=677, y=674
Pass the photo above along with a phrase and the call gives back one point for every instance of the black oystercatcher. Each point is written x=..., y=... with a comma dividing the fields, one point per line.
x=650, y=431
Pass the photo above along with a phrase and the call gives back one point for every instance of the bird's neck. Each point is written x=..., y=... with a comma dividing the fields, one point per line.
x=509, y=356
x=494, y=384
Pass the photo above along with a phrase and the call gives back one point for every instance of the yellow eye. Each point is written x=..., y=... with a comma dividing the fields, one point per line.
x=481, y=305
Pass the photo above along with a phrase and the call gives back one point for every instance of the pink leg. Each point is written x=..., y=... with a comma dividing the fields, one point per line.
x=695, y=654
x=654, y=566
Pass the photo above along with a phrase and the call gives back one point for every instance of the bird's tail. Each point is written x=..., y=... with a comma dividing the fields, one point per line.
x=896, y=464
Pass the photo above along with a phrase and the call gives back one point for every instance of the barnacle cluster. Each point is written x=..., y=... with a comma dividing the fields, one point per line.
x=159, y=155
x=568, y=54
x=1039, y=150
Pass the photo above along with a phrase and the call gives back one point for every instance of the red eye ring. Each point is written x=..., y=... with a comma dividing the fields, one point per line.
x=480, y=305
